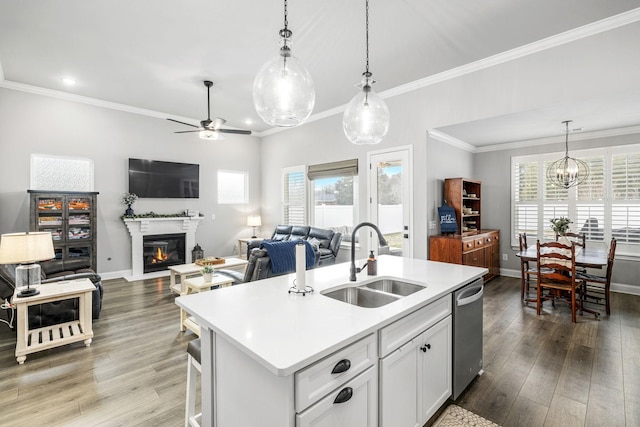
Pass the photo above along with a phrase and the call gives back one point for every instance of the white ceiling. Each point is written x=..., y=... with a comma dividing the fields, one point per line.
x=154, y=54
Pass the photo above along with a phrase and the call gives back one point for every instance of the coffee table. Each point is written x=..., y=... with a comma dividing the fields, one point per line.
x=197, y=284
x=32, y=340
x=184, y=271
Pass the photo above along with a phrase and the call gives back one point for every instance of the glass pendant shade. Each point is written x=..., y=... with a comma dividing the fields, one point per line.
x=283, y=92
x=366, y=119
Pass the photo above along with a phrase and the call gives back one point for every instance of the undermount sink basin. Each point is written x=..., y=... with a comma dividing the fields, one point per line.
x=374, y=294
x=394, y=287
x=362, y=297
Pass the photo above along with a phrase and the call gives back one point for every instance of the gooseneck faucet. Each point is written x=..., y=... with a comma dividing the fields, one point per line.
x=381, y=239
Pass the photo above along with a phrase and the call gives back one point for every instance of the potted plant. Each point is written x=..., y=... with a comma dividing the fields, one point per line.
x=561, y=226
x=129, y=199
x=207, y=273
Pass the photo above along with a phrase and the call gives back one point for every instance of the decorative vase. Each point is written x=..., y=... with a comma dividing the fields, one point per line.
x=207, y=277
x=564, y=240
x=129, y=211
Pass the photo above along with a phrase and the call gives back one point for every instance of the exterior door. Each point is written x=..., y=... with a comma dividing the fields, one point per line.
x=390, y=179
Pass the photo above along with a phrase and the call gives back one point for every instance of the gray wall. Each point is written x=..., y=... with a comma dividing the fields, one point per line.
x=38, y=124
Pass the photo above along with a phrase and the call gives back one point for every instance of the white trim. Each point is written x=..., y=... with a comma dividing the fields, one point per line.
x=448, y=139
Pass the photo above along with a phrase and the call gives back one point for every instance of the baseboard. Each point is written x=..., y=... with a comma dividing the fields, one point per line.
x=615, y=287
x=127, y=275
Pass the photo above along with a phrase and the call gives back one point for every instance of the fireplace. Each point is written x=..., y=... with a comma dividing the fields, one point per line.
x=160, y=251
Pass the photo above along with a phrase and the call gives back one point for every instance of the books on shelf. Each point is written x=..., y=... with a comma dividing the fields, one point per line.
x=76, y=233
x=79, y=204
x=81, y=219
x=49, y=220
x=49, y=204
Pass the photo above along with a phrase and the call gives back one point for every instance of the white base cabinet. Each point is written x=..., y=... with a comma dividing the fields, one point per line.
x=415, y=379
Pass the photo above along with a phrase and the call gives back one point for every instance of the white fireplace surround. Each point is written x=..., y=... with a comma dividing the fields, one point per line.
x=139, y=227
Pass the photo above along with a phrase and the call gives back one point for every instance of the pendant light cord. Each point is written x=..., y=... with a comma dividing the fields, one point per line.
x=566, y=140
x=285, y=33
x=367, y=74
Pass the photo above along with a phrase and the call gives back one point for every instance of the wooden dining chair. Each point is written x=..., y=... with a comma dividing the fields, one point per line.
x=595, y=288
x=526, y=269
x=577, y=238
x=559, y=275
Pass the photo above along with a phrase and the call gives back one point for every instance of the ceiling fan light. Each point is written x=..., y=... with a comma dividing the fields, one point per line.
x=366, y=118
x=210, y=135
x=283, y=92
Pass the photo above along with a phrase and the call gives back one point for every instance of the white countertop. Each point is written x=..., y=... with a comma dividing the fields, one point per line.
x=286, y=332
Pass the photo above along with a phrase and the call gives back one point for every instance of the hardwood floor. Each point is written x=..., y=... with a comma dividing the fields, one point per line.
x=538, y=370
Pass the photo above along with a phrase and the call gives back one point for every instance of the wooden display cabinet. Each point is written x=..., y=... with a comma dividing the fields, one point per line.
x=71, y=219
x=471, y=245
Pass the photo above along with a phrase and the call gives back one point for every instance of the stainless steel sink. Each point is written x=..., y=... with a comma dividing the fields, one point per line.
x=362, y=297
x=374, y=294
x=394, y=287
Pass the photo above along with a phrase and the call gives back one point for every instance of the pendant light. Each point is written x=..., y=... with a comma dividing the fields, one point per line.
x=283, y=93
x=366, y=119
x=567, y=172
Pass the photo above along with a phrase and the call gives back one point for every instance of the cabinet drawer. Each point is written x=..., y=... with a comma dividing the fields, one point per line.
x=358, y=408
x=479, y=242
x=468, y=245
x=405, y=329
x=492, y=238
x=317, y=380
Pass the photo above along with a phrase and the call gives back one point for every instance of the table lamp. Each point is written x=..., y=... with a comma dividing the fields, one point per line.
x=254, y=221
x=26, y=249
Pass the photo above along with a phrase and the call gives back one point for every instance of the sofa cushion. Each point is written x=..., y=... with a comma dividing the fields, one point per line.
x=299, y=232
x=281, y=232
x=322, y=236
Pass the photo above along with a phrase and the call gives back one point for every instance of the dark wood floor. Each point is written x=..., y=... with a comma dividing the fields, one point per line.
x=538, y=370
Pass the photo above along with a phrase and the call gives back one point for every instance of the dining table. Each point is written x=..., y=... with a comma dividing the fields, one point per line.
x=593, y=256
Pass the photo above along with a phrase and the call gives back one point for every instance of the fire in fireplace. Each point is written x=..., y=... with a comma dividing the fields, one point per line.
x=162, y=250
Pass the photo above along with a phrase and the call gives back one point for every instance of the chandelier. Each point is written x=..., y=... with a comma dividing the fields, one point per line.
x=366, y=118
x=568, y=171
x=283, y=93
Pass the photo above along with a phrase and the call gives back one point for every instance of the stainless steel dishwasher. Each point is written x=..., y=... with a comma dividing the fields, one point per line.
x=467, y=335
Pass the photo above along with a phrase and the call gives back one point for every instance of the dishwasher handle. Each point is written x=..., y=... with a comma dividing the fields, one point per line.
x=470, y=295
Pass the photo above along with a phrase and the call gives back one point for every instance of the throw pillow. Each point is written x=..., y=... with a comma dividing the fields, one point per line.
x=315, y=243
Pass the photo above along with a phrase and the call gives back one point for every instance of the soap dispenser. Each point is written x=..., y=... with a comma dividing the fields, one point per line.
x=372, y=265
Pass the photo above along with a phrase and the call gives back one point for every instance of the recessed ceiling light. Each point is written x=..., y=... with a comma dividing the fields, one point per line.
x=69, y=81
x=248, y=122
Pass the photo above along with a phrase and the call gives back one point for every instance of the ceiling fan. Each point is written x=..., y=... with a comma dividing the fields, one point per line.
x=211, y=129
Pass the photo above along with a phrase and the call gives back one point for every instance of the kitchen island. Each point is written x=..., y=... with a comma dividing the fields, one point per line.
x=265, y=351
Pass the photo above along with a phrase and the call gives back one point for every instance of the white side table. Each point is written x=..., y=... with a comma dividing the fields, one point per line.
x=195, y=285
x=245, y=241
x=33, y=340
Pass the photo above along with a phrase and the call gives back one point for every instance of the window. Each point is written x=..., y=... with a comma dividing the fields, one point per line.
x=606, y=205
x=233, y=187
x=293, y=196
x=334, y=187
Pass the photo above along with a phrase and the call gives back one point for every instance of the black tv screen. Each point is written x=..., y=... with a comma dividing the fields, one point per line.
x=158, y=179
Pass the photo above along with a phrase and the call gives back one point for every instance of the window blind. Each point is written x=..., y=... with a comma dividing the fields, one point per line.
x=341, y=168
x=293, y=196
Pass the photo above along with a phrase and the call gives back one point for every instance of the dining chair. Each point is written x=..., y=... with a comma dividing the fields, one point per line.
x=526, y=269
x=578, y=238
x=596, y=287
x=559, y=276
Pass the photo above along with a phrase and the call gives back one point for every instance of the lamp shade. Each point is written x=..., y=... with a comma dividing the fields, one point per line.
x=254, y=221
x=16, y=248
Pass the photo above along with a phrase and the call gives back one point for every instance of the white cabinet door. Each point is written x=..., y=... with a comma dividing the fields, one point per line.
x=355, y=404
x=399, y=387
x=434, y=367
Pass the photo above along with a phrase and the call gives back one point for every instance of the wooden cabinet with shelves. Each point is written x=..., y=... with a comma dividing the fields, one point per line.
x=471, y=245
x=465, y=196
x=71, y=219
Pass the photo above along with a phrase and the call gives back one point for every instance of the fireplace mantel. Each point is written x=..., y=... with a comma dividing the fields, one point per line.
x=139, y=227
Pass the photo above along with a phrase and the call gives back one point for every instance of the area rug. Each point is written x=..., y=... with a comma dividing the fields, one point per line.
x=455, y=416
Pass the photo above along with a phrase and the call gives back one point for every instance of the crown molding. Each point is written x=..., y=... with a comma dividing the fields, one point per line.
x=448, y=139
x=584, y=31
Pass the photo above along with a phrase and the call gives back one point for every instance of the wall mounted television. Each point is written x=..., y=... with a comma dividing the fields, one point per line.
x=158, y=179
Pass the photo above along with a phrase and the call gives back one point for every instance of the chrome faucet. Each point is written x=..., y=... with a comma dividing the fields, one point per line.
x=381, y=239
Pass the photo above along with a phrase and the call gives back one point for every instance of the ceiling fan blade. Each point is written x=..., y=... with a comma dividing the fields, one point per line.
x=183, y=123
x=188, y=131
x=218, y=122
x=237, y=131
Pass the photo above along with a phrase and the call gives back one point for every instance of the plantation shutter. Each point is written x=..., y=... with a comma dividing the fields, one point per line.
x=625, y=203
x=525, y=199
x=590, y=201
x=293, y=196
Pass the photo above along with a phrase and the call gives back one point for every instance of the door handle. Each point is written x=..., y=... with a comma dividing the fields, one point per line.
x=406, y=236
x=425, y=347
